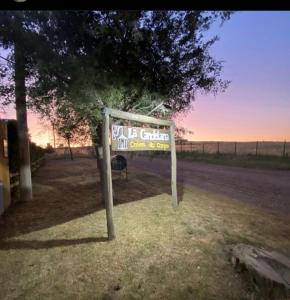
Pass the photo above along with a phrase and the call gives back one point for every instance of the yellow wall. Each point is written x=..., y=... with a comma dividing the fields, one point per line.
x=4, y=165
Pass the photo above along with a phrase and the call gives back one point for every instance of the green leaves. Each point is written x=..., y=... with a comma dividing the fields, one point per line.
x=131, y=60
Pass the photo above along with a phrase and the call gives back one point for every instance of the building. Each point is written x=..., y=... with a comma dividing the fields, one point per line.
x=5, y=196
x=122, y=142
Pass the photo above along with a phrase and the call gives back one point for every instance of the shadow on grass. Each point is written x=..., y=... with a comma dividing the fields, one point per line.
x=145, y=162
x=35, y=244
x=66, y=190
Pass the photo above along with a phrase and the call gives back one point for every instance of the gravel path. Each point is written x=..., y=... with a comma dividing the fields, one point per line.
x=268, y=189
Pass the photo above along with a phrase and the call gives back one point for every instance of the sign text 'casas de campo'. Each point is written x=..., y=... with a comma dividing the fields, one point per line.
x=126, y=138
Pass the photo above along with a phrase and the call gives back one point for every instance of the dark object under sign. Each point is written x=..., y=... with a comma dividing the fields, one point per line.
x=119, y=163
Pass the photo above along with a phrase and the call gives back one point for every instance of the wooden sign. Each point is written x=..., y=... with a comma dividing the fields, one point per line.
x=125, y=138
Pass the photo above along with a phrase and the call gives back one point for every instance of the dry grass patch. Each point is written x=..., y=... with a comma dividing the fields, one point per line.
x=159, y=253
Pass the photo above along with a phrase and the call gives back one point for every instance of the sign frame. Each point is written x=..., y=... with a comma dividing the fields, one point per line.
x=107, y=172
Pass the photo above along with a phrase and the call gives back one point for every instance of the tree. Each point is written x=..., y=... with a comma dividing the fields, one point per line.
x=131, y=60
x=49, y=148
x=19, y=33
x=163, y=53
x=180, y=132
x=69, y=125
x=14, y=34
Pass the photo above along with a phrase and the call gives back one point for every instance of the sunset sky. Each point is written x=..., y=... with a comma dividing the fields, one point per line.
x=255, y=48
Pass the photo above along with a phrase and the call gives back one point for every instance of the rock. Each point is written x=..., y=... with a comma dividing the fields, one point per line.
x=268, y=270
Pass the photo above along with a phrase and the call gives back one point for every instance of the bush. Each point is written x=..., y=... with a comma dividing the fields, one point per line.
x=36, y=152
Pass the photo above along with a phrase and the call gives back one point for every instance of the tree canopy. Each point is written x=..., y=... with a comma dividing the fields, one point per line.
x=131, y=60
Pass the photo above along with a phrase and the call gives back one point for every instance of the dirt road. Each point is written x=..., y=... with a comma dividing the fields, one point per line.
x=267, y=189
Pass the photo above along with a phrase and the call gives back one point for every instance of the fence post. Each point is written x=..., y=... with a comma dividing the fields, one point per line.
x=202, y=148
x=235, y=148
x=284, y=149
x=218, y=148
x=181, y=146
x=257, y=148
x=191, y=147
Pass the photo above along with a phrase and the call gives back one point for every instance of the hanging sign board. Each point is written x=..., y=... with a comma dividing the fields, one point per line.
x=126, y=138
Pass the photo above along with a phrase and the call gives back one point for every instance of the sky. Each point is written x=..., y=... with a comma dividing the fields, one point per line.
x=255, y=49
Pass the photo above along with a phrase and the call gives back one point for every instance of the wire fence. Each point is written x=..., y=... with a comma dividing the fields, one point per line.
x=238, y=148
x=78, y=152
x=281, y=149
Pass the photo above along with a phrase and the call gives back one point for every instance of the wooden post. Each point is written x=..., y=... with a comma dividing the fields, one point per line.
x=256, y=148
x=202, y=148
x=138, y=118
x=218, y=148
x=173, y=167
x=235, y=148
x=108, y=176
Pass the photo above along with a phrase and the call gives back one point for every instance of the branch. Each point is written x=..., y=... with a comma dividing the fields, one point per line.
x=12, y=62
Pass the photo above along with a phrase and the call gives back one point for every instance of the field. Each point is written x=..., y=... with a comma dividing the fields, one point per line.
x=240, y=148
x=248, y=161
x=273, y=162
x=267, y=155
x=55, y=246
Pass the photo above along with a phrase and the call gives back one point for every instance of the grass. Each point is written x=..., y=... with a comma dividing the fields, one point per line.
x=55, y=247
x=271, y=162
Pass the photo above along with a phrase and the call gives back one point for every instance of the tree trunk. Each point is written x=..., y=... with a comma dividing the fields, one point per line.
x=53, y=131
x=96, y=134
x=268, y=270
x=70, y=151
x=24, y=153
